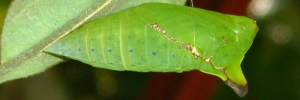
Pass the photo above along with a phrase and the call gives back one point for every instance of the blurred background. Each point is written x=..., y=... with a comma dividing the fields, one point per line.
x=271, y=66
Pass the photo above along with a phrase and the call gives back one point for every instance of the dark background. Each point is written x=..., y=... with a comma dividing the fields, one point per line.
x=271, y=66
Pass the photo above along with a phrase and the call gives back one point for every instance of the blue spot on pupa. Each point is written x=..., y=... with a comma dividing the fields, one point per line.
x=153, y=53
x=130, y=50
x=109, y=50
x=93, y=49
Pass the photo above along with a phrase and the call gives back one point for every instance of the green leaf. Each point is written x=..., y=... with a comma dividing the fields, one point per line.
x=32, y=25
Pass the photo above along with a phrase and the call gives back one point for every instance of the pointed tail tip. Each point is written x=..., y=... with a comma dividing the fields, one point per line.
x=240, y=90
x=243, y=90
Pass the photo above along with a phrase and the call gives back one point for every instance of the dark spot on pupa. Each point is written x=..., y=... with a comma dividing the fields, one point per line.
x=93, y=49
x=153, y=53
x=173, y=55
x=154, y=66
x=109, y=50
x=79, y=49
x=129, y=36
x=92, y=39
x=111, y=63
x=130, y=50
x=225, y=40
x=132, y=65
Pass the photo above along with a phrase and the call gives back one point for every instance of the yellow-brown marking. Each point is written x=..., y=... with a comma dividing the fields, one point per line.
x=185, y=45
x=192, y=49
x=225, y=40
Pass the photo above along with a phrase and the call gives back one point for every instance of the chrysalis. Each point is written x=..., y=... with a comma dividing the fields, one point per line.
x=158, y=37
